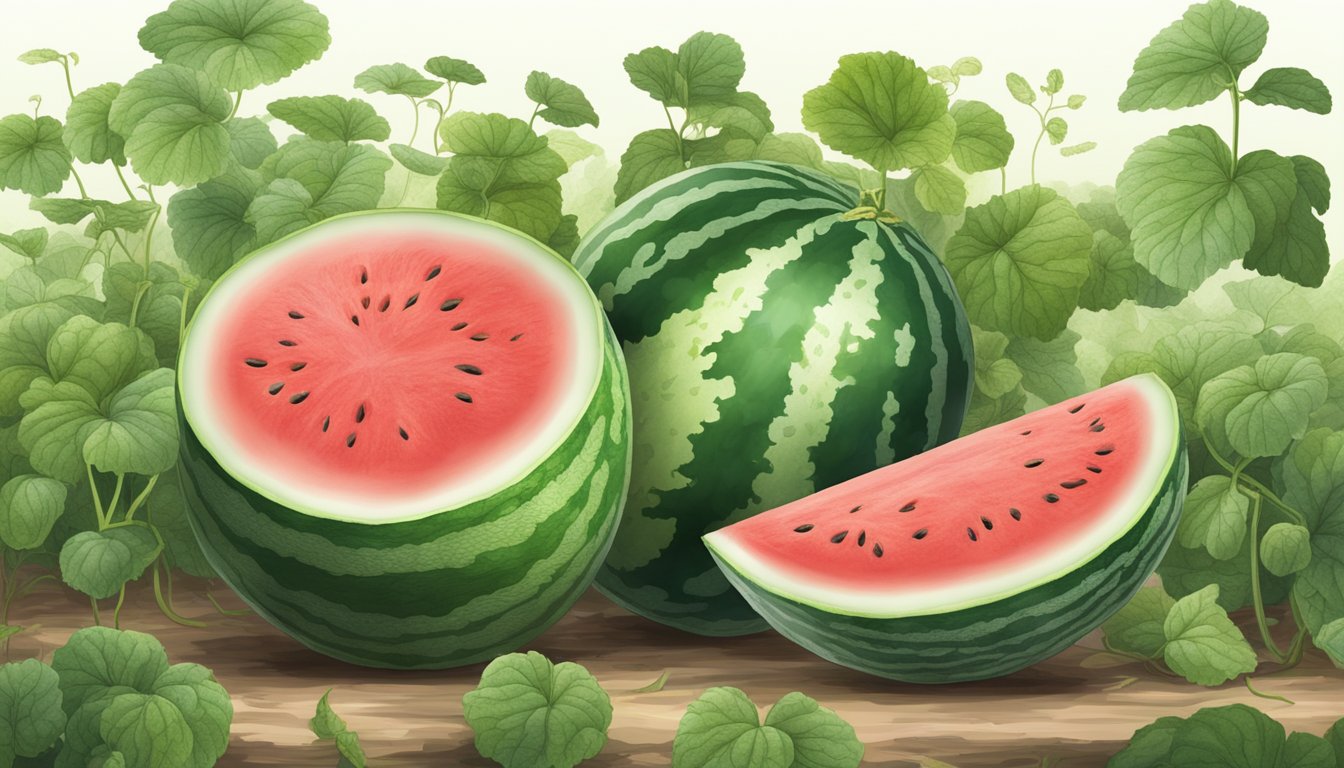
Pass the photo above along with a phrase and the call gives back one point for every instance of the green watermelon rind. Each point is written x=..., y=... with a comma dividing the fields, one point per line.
x=389, y=595
x=751, y=206
x=989, y=639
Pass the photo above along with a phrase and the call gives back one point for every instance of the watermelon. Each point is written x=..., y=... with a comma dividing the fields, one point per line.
x=405, y=436
x=981, y=556
x=776, y=347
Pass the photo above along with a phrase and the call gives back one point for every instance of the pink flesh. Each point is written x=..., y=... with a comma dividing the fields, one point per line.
x=399, y=364
x=962, y=495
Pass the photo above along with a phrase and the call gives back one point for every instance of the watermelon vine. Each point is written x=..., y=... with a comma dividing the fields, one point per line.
x=1155, y=272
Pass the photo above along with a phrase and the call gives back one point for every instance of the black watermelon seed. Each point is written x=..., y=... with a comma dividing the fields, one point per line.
x=1051, y=497
x=298, y=398
x=1028, y=432
x=1034, y=463
x=295, y=315
x=364, y=302
x=326, y=423
x=1095, y=422
x=516, y=337
x=1015, y=513
x=385, y=303
x=354, y=319
x=1099, y=428
x=839, y=537
x=989, y=524
x=255, y=363
x=1077, y=408
x=971, y=533
x=275, y=388
x=1106, y=451
x=459, y=326
x=363, y=275
x=359, y=414
x=402, y=432
x=433, y=273
x=350, y=440
x=298, y=366
x=288, y=343
x=877, y=549
x=411, y=301
x=910, y=507
x=1071, y=484
x=863, y=536
x=1093, y=468
x=463, y=396
x=469, y=369
x=804, y=528
x=856, y=508
x=480, y=337
x=921, y=533
x=449, y=305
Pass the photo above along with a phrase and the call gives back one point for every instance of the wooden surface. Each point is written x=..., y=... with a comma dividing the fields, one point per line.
x=1065, y=708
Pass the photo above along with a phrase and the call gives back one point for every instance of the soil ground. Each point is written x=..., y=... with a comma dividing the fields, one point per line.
x=1072, y=708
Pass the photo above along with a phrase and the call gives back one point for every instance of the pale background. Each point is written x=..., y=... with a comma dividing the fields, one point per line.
x=790, y=47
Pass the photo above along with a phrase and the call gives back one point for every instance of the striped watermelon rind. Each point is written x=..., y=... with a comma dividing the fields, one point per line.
x=775, y=348
x=454, y=587
x=988, y=637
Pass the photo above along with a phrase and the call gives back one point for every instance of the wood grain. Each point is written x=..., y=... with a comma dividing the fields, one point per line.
x=1060, y=708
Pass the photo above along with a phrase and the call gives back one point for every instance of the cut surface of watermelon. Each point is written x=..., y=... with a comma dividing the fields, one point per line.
x=390, y=370
x=982, y=555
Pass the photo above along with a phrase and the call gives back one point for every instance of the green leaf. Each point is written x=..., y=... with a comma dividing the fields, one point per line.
x=156, y=299
x=1019, y=262
x=502, y=171
x=940, y=190
x=332, y=118
x=995, y=374
x=562, y=103
x=40, y=56
x=710, y=66
x=139, y=432
x=1138, y=626
x=1190, y=214
x=565, y=239
x=31, y=719
x=209, y=222
x=1077, y=149
x=101, y=358
x=1285, y=549
x=1076, y=101
x=1189, y=62
x=1054, y=82
x=1056, y=129
x=250, y=141
x=149, y=730
x=1306, y=750
x=881, y=108
x=325, y=723
x=654, y=71
x=33, y=156
x=1113, y=276
x=1276, y=302
x=205, y=706
x=571, y=146
x=396, y=79
x=240, y=44
x=29, y=243
x=651, y=157
x=1290, y=87
x=820, y=737
x=1150, y=746
x=722, y=729
x=967, y=66
x=87, y=133
x=29, y=507
x=24, y=335
x=313, y=180
x=1234, y=736
x=1313, y=479
x=528, y=712
x=795, y=148
x=1258, y=410
x=944, y=74
x=1330, y=638
x=1049, y=368
x=1290, y=240
x=173, y=121
x=166, y=510
x=454, y=70
x=1185, y=571
x=1019, y=88
x=97, y=661
x=982, y=142
x=1336, y=738
x=743, y=111
x=129, y=216
x=1214, y=517
x=97, y=565
x=1203, y=645
x=416, y=161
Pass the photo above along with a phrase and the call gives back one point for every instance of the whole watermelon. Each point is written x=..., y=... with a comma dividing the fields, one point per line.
x=775, y=347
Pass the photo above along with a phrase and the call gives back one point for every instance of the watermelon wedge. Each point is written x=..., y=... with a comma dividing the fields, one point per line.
x=405, y=436
x=981, y=556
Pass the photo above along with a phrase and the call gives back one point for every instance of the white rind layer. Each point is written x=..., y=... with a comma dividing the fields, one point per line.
x=585, y=328
x=885, y=603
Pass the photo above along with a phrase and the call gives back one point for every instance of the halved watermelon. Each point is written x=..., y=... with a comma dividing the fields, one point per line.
x=981, y=556
x=407, y=436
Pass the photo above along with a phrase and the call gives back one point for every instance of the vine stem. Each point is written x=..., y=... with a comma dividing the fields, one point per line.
x=83, y=193
x=69, y=84
x=166, y=604
x=237, y=101
x=533, y=118
x=140, y=498
x=1258, y=486
x=1035, y=147
x=140, y=292
x=97, y=502
x=149, y=238
x=116, y=612
x=116, y=496
x=1257, y=598
x=672, y=124
x=1235, y=92
x=124, y=185
x=97, y=619
x=1257, y=692
x=415, y=127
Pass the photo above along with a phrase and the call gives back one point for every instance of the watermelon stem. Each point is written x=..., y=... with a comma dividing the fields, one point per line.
x=1257, y=598
x=1250, y=687
x=166, y=604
